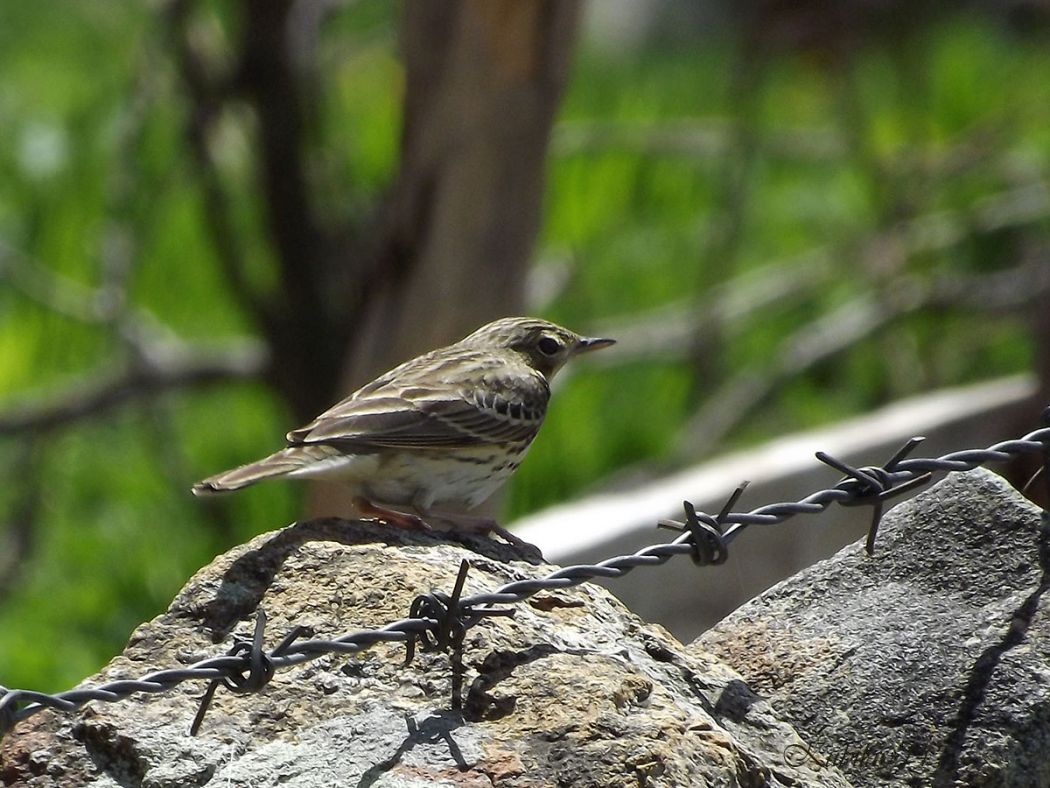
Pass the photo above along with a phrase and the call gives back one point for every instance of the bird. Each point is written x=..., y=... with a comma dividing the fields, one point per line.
x=445, y=429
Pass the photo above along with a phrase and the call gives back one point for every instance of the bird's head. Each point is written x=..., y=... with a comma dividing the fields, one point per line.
x=545, y=346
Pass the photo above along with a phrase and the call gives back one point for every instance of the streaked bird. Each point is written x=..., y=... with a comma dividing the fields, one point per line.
x=447, y=428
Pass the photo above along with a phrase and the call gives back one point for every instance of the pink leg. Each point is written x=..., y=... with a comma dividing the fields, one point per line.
x=390, y=516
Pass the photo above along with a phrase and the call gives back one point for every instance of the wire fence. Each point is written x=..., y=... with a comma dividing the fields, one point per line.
x=439, y=621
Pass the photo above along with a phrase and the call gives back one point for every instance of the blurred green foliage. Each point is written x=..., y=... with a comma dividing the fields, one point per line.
x=665, y=179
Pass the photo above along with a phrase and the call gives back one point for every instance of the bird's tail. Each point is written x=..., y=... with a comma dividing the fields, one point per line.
x=280, y=463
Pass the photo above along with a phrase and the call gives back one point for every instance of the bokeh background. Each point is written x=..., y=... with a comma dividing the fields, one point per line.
x=216, y=218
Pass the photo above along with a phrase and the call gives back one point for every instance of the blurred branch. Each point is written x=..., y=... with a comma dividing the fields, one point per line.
x=305, y=20
x=844, y=327
x=167, y=369
x=206, y=95
x=710, y=139
x=670, y=331
x=143, y=335
x=715, y=139
x=57, y=293
x=822, y=339
x=308, y=320
x=19, y=536
x=268, y=77
x=105, y=306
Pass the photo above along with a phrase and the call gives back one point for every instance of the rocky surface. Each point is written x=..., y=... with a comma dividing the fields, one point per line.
x=573, y=690
x=926, y=665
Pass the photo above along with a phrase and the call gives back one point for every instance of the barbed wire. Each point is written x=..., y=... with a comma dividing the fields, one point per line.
x=439, y=621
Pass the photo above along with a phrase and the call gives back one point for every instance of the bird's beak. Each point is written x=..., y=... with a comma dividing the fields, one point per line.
x=587, y=344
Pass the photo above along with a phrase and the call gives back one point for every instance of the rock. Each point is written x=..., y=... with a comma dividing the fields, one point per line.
x=925, y=665
x=573, y=690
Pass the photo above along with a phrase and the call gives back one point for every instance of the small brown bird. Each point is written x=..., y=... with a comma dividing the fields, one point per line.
x=447, y=428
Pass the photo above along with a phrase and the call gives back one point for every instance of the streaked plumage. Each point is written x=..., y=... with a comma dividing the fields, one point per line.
x=446, y=428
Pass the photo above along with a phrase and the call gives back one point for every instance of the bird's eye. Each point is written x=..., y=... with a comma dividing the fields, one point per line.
x=549, y=346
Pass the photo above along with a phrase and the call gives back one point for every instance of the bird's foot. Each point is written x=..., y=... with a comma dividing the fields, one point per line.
x=484, y=526
x=462, y=523
x=390, y=516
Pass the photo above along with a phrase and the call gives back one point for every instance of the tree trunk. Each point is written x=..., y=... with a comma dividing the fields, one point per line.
x=483, y=82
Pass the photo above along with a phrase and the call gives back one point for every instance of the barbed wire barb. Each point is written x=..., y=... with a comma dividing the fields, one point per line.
x=704, y=533
x=1044, y=469
x=875, y=485
x=260, y=667
x=452, y=618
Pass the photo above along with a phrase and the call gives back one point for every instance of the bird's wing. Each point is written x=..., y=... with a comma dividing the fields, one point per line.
x=392, y=416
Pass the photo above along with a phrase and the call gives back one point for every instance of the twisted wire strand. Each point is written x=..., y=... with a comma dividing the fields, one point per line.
x=703, y=536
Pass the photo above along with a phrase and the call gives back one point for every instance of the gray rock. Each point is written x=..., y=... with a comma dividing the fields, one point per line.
x=924, y=665
x=574, y=690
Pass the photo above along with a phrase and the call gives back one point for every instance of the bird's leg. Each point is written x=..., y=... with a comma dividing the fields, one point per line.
x=390, y=516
